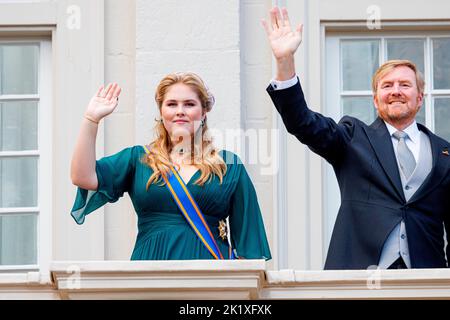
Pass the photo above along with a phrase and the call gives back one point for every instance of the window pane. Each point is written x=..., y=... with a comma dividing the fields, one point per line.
x=441, y=63
x=361, y=108
x=18, y=182
x=359, y=63
x=18, y=235
x=410, y=49
x=19, y=69
x=18, y=125
x=442, y=117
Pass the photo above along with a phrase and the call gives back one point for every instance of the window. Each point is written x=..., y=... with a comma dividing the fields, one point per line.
x=359, y=58
x=25, y=146
x=351, y=61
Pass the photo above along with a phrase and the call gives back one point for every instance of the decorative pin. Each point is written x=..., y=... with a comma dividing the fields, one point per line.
x=222, y=229
x=445, y=151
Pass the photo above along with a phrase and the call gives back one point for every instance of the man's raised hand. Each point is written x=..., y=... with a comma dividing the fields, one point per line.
x=283, y=40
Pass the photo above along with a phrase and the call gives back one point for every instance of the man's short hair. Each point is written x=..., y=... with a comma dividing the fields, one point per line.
x=391, y=65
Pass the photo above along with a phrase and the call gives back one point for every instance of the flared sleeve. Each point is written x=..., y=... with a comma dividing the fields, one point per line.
x=115, y=175
x=248, y=235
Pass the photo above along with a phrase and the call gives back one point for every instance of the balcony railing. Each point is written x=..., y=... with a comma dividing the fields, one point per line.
x=219, y=280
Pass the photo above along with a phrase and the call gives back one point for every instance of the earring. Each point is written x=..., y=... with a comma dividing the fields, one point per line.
x=159, y=120
x=203, y=122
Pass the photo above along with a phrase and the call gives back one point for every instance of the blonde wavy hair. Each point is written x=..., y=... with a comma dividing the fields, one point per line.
x=205, y=156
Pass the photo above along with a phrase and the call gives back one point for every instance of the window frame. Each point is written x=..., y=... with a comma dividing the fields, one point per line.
x=43, y=210
x=429, y=92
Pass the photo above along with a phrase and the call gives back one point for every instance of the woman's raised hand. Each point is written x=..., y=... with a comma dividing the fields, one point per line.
x=104, y=102
x=283, y=40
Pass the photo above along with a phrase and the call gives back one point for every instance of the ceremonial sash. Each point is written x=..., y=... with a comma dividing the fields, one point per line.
x=191, y=212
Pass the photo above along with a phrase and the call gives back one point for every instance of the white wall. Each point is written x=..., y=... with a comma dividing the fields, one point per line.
x=200, y=36
x=78, y=66
x=120, y=55
x=260, y=156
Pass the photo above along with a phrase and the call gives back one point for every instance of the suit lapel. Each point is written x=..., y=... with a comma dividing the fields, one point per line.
x=439, y=168
x=381, y=142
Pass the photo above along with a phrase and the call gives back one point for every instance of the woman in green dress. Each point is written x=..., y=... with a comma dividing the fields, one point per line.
x=217, y=180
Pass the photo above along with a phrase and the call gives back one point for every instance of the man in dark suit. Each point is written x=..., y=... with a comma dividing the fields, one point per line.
x=394, y=175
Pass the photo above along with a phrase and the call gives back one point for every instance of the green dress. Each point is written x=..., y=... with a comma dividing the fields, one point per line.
x=163, y=232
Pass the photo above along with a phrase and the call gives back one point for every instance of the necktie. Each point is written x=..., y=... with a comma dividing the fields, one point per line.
x=405, y=156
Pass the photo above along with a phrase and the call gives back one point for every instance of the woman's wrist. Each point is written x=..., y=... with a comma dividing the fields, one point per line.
x=91, y=119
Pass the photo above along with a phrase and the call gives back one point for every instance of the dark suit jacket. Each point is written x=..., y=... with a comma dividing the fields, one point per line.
x=372, y=200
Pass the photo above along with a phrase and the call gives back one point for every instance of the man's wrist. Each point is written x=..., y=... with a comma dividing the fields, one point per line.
x=285, y=68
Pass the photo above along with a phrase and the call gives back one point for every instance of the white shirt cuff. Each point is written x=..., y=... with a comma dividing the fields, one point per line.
x=280, y=85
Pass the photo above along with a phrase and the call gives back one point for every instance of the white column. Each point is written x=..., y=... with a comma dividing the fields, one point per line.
x=120, y=57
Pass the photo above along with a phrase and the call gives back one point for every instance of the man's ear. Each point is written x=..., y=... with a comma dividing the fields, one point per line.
x=375, y=101
x=420, y=100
